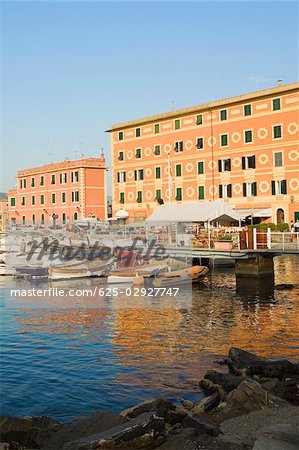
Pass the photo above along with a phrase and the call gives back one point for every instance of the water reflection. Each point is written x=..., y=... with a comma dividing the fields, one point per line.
x=117, y=351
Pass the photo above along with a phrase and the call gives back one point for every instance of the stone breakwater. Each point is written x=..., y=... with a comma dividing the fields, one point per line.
x=252, y=405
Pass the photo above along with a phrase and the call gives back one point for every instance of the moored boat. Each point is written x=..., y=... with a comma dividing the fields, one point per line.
x=31, y=271
x=94, y=268
x=137, y=274
x=181, y=277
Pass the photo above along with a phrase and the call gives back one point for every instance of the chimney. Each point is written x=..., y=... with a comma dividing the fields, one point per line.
x=279, y=82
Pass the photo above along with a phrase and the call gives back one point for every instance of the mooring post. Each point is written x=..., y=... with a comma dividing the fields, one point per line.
x=256, y=266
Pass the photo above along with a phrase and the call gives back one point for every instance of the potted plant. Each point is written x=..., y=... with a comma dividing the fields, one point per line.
x=224, y=242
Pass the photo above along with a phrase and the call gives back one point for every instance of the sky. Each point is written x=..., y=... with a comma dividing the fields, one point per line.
x=72, y=69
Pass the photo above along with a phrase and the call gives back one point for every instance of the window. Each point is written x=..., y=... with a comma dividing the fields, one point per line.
x=23, y=220
x=21, y=184
x=23, y=201
x=199, y=143
x=157, y=150
x=53, y=197
x=42, y=199
x=178, y=170
x=122, y=197
x=249, y=189
x=75, y=216
x=247, y=110
x=32, y=182
x=279, y=187
x=121, y=136
x=248, y=162
x=224, y=165
x=277, y=131
x=24, y=183
x=200, y=167
x=63, y=218
x=157, y=128
x=158, y=172
x=33, y=200
x=12, y=201
x=75, y=177
x=138, y=153
x=33, y=219
x=278, y=159
x=120, y=156
x=276, y=104
x=225, y=190
x=137, y=132
x=224, y=140
x=201, y=192
x=52, y=179
x=158, y=194
x=139, y=196
x=178, y=195
x=121, y=177
x=199, y=119
x=63, y=178
x=177, y=124
x=223, y=114
x=63, y=197
x=248, y=136
x=42, y=180
x=138, y=173
x=178, y=146
x=75, y=196
x=42, y=219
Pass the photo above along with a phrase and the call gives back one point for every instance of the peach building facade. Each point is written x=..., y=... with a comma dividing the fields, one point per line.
x=59, y=192
x=243, y=149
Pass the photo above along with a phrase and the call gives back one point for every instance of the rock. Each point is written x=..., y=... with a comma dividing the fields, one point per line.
x=284, y=286
x=249, y=396
x=176, y=416
x=25, y=431
x=95, y=423
x=206, y=404
x=183, y=440
x=247, y=428
x=186, y=403
x=239, y=359
x=144, y=431
x=227, y=381
x=289, y=390
x=202, y=425
x=159, y=405
x=280, y=437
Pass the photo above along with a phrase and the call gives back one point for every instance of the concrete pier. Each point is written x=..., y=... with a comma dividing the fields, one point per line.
x=258, y=266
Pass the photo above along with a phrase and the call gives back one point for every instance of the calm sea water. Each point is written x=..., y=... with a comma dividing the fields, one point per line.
x=66, y=358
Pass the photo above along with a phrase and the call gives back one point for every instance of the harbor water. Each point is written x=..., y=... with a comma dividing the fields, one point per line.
x=66, y=358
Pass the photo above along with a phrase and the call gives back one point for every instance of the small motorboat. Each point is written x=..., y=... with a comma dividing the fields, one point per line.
x=83, y=269
x=31, y=271
x=181, y=277
x=136, y=275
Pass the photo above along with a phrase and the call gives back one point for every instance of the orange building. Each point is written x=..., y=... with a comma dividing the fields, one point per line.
x=3, y=213
x=243, y=149
x=59, y=192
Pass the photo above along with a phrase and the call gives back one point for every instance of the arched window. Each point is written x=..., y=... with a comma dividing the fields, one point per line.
x=280, y=215
x=75, y=216
x=63, y=218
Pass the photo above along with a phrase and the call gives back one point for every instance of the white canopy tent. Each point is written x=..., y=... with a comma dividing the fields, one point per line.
x=217, y=211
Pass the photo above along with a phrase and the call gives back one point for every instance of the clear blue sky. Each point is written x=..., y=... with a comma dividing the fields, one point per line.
x=72, y=69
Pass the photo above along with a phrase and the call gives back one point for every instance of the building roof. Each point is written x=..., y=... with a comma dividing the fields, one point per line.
x=207, y=106
x=64, y=165
x=194, y=212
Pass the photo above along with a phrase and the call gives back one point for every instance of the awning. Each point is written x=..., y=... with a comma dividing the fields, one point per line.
x=254, y=212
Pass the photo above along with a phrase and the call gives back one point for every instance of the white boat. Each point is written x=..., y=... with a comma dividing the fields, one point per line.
x=135, y=275
x=181, y=277
x=94, y=268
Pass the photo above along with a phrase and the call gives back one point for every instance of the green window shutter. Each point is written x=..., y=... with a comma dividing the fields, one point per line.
x=157, y=128
x=220, y=191
x=42, y=199
x=53, y=179
x=33, y=200
x=139, y=196
x=178, y=170
x=223, y=114
x=284, y=186
x=244, y=190
x=277, y=132
x=158, y=194
x=201, y=192
x=158, y=172
x=199, y=119
x=120, y=135
x=276, y=104
x=178, y=194
x=224, y=140
x=122, y=197
x=157, y=150
x=42, y=181
x=63, y=197
x=254, y=188
x=200, y=168
x=53, y=198
x=248, y=136
x=12, y=201
x=121, y=156
x=247, y=110
x=137, y=132
x=177, y=124
x=23, y=201
x=278, y=159
x=24, y=182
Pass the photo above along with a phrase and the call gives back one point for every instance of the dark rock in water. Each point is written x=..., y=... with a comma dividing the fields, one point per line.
x=159, y=405
x=279, y=437
x=249, y=396
x=96, y=423
x=239, y=359
x=26, y=431
x=288, y=390
x=145, y=431
x=281, y=287
x=202, y=425
x=176, y=416
x=206, y=404
x=227, y=381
